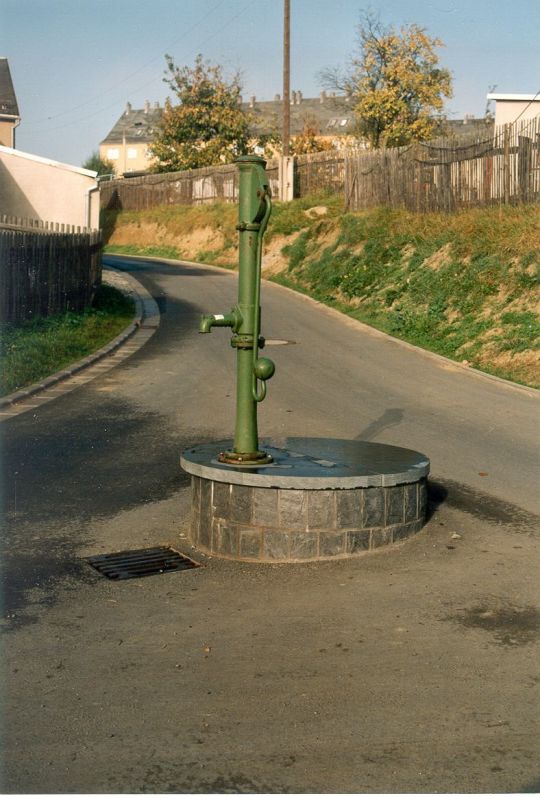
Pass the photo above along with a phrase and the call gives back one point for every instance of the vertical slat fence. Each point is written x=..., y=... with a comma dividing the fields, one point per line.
x=44, y=272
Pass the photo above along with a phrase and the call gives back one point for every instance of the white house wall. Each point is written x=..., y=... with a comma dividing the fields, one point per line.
x=37, y=188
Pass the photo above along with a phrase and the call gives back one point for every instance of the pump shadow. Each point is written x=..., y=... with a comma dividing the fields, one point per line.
x=390, y=418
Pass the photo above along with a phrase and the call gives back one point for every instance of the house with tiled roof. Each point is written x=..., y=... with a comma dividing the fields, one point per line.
x=9, y=109
x=328, y=116
x=126, y=145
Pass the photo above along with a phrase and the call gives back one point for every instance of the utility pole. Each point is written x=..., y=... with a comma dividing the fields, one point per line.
x=286, y=76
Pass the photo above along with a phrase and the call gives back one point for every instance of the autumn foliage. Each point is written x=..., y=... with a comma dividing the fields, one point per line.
x=396, y=84
x=206, y=124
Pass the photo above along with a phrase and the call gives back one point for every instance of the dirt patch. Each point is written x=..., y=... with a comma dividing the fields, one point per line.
x=145, y=234
x=525, y=366
x=148, y=234
x=440, y=258
x=273, y=260
x=200, y=238
x=452, y=315
x=406, y=253
x=316, y=211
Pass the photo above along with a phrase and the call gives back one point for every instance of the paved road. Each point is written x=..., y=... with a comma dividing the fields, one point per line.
x=411, y=670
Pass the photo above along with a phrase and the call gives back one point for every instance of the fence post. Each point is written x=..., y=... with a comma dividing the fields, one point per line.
x=286, y=178
x=524, y=166
x=506, y=163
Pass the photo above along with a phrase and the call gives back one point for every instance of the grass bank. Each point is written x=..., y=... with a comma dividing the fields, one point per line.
x=35, y=349
x=464, y=285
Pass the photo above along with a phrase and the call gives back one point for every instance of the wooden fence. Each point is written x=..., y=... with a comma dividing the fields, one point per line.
x=320, y=172
x=191, y=187
x=44, y=272
x=441, y=175
x=444, y=175
x=8, y=222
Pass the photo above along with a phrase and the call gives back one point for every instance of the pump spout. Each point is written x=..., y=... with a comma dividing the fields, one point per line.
x=219, y=320
x=205, y=325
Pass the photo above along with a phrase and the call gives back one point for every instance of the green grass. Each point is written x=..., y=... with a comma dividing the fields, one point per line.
x=461, y=284
x=445, y=282
x=35, y=349
x=151, y=251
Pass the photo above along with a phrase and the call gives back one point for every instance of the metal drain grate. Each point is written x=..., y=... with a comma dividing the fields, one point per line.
x=140, y=562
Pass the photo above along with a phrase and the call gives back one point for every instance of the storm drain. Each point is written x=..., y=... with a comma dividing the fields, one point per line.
x=141, y=562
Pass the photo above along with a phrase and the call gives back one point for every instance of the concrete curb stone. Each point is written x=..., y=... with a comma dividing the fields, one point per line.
x=353, y=322
x=128, y=285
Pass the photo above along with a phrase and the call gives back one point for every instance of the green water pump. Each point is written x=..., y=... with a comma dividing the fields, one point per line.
x=252, y=371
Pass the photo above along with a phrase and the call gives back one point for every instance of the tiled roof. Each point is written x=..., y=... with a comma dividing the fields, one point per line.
x=330, y=116
x=8, y=100
x=135, y=125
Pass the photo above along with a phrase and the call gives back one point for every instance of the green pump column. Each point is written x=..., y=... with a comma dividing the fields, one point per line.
x=253, y=214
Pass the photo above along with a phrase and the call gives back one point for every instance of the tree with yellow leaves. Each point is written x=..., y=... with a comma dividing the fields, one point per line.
x=395, y=83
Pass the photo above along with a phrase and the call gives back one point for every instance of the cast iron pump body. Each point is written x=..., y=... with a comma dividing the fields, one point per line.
x=245, y=318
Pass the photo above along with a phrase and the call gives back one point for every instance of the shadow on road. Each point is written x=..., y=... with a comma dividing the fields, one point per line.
x=156, y=266
x=390, y=418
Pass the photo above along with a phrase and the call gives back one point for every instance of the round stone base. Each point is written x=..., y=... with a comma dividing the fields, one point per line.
x=318, y=499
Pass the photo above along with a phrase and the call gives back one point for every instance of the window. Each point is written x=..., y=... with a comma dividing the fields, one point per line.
x=343, y=122
x=113, y=154
x=131, y=153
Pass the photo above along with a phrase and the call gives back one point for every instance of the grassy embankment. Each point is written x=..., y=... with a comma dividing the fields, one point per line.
x=464, y=285
x=35, y=349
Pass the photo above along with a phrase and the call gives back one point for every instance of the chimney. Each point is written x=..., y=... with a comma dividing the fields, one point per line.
x=240, y=99
x=322, y=96
x=293, y=98
x=128, y=109
x=156, y=106
x=252, y=100
x=277, y=98
x=299, y=97
x=146, y=106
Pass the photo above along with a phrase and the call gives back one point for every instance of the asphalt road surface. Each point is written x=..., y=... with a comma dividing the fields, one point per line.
x=410, y=670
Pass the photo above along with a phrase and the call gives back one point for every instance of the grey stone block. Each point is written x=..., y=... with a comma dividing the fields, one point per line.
x=303, y=545
x=222, y=499
x=411, y=501
x=373, y=514
x=422, y=498
x=394, y=505
x=275, y=545
x=380, y=537
x=195, y=493
x=205, y=531
x=195, y=508
x=321, y=509
x=265, y=506
x=227, y=539
x=293, y=509
x=206, y=506
x=401, y=531
x=241, y=504
x=250, y=543
x=331, y=543
x=358, y=541
x=348, y=508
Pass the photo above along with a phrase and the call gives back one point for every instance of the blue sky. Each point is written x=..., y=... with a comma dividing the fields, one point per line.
x=75, y=63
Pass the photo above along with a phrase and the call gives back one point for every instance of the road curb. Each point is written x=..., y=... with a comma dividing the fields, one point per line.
x=128, y=285
x=354, y=322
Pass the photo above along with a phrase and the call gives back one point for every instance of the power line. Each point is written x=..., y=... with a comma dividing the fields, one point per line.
x=148, y=82
x=527, y=106
x=128, y=77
